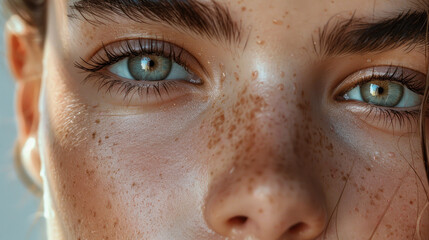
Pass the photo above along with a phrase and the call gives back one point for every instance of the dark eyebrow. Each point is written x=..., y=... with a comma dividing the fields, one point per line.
x=210, y=19
x=354, y=36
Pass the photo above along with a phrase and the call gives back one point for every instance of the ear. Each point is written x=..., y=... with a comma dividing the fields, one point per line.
x=25, y=61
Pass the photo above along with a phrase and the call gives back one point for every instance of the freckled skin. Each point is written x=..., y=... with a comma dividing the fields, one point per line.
x=267, y=154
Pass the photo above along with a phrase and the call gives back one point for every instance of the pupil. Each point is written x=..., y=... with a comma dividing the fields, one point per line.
x=380, y=90
x=151, y=63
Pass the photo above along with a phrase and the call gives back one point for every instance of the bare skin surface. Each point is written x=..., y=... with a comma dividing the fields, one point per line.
x=263, y=149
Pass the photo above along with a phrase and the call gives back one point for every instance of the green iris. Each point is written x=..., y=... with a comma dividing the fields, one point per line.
x=382, y=93
x=149, y=67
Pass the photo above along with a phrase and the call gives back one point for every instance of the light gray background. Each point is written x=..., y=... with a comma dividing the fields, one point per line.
x=20, y=218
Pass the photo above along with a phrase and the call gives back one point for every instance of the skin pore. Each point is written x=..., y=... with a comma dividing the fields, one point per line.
x=264, y=138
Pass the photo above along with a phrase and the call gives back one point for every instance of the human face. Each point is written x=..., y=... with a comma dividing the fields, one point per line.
x=265, y=136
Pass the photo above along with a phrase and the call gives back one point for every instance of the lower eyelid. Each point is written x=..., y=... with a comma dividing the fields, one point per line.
x=385, y=119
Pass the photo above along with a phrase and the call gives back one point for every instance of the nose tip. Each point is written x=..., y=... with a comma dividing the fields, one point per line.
x=265, y=214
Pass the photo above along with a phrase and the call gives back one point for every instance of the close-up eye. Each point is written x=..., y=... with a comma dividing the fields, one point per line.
x=384, y=93
x=384, y=96
x=143, y=67
x=388, y=87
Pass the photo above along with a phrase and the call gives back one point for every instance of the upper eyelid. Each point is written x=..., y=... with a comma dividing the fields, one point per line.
x=413, y=84
x=130, y=47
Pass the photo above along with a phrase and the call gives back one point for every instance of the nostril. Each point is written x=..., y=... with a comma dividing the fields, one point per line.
x=237, y=222
x=298, y=228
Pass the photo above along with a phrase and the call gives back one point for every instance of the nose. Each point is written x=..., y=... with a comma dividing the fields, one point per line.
x=266, y=206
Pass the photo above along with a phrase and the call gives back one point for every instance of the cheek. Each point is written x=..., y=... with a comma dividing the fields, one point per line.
x=379, y=197
x=118, y=173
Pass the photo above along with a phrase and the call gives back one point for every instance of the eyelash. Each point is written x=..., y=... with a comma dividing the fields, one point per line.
x=143, y=46
x=389, y=115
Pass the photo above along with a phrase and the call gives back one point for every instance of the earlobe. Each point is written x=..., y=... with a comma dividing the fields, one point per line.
x=28, y=165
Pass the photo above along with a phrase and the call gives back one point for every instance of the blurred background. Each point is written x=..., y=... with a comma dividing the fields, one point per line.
x=20, y=217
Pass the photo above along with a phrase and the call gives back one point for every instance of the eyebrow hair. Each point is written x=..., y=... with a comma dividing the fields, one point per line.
x=210, y=19
x=353, y=35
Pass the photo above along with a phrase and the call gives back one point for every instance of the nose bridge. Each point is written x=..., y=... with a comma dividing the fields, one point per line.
x=260, y=130
x=264, y=193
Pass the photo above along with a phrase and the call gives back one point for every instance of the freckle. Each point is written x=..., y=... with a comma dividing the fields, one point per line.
x=282, y=74
x=277, y=22
x=99, y=141
x=79, y=221
x=94, y=134
x=176, y=139
x=411, y=202
x=368, y=169
x=243, y=9
x=106, y=137
x=89, y=173
x=237, y=77
x=281, y=87
x=261, y=210
x=255, y=75
x=294, y=75
x=97, y=121
x=134, y=184
x=260, y=42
